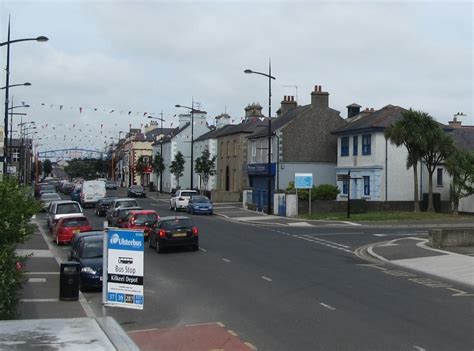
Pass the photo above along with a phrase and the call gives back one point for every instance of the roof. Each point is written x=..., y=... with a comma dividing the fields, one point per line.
x=377, y=120
x=170, y=135
x=464, y=138
x=230, y=129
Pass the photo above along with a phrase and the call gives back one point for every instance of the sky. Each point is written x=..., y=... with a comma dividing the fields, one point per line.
x=108, y=65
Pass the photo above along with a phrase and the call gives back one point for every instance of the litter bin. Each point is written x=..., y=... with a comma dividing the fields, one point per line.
x=69, y=277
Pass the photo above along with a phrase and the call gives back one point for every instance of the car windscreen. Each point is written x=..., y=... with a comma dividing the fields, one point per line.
x=68, y=208
x=141, y=219
x=188, y=193
x=136, y=187
x=75, y=222
x=50, y=196
x=200, y=199
x=126, y=203
x=47, y=187
x=93, y=249
x=177, y=223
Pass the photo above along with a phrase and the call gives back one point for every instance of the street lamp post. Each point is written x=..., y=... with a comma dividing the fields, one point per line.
x=7, y=82
x=270, y=77
x=192, y=136
x=161, y=146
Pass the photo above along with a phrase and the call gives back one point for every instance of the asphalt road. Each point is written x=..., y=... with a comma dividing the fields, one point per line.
x=289, y=288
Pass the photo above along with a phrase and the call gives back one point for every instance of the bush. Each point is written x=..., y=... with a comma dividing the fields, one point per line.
x=16, y=210
x=321, y=192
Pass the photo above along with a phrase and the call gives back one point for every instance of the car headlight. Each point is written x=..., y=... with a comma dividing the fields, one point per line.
x=88, y=270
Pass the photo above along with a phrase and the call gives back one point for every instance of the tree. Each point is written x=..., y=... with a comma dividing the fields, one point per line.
x=158, y=165
x=177, y=166
x=437, y=147
x=47, y=167
x=460, y=165
x=141, y=166
x=408, y=131
x=205, y=166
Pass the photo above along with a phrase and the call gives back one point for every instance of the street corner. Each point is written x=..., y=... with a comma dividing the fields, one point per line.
x=196, y=337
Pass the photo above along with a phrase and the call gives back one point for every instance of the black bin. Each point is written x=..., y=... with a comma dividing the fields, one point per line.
x=69, y=277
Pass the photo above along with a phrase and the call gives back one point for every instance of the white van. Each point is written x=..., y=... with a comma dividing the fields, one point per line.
x=92, y=191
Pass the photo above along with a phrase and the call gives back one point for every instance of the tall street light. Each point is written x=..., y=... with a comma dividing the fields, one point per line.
x=269, y=165
x=192, y=137
x=7, y=82
x=161, y=145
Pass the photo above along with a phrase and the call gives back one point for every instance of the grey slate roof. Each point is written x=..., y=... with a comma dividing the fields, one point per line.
x=377, y=120
x=229, y=129
x=464, y=137
x=169, y=136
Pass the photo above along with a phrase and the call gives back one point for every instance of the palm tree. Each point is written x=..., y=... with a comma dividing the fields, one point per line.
x=408, y=131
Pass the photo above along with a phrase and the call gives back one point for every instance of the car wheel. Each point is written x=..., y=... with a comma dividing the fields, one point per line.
x=195, y=247
x=211, y=213
x=149, y=242
x=175, y=208
x=158, y=247
x=171, y=206
x=57, y=240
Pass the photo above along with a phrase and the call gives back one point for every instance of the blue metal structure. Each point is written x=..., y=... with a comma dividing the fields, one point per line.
x=69, y=154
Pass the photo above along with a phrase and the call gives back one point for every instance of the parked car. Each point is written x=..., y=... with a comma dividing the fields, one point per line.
x=67, y=227
x=75, y=240
x=141, y=219
x=200, y=204
x=120, y=216
x=179, y=201
x=120, y=202
x=175, y=231
x=136, y=191
x=110, y=184
x=47, y=198
x=103, y=205
x=59, y=209
x=92, y=191
x=89, y=253
x=46, y=189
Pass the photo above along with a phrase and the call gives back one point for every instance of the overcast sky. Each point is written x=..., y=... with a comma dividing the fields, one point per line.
x=137, y=57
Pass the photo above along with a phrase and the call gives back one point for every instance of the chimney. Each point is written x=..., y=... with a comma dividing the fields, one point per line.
x=353, y=110
x=183, y=119
x=319, y=98
x=455, y=123
x=287, y=104
x=253, y=110
x=222, y=120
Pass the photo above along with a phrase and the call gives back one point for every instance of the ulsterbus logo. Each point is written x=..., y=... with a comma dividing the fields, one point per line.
x=114, y=239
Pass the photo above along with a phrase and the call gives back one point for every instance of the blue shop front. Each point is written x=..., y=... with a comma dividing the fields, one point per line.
x=258, y=181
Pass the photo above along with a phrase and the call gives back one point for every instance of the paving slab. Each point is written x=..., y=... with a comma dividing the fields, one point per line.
x=41, y=264
x=50, y=309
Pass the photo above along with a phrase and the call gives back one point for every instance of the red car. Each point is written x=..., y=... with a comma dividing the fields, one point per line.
x=67, y=227
x=141, y=219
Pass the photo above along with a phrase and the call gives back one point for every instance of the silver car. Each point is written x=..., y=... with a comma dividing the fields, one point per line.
x=59, y=209
x=47, y=198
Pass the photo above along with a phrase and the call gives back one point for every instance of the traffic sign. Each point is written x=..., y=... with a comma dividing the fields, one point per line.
x=303, y=180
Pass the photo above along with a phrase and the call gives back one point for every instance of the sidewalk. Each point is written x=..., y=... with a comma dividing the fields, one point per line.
x=457, y=264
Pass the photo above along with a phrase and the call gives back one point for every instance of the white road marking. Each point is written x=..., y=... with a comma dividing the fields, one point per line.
x=300, y=224
x=36, y=280
x=203, y=250
x=198, y=324
x=250, y=346
x=379, y=234
x=39, y=300
x=266, y=278
x=220, y=324
x=351, y=223
x=233, y=333
x=327, y=306
x=41, y=273
x=419, y=348
x=226, y=260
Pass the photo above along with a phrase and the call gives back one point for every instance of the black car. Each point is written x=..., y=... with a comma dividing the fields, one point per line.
x=174, y=231
x=76, y=239
x=110, y=184
x=136, y=191
x=89, y=253
x=103, y=205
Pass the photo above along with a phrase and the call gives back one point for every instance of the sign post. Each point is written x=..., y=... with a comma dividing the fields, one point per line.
x=304, y=181
x=123, y=268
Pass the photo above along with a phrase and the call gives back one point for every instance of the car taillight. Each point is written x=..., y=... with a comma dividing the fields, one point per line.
x=195, y=231
x=162, y=233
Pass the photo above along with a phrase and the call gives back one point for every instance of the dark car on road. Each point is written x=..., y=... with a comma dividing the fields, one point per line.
x=136, y=191
x=119, y=219
x=89, y=253
x=200, y=204
x=75, y=241
x=103, y=205
x=174, y=231
x=111, y=185
x=117, y=203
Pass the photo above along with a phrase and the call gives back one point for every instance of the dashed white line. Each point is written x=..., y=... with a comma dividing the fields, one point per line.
x=39, y=300
x=419, y=348
x=41, y=273
x=233, y=333
x=226, y=260
x=203, y=250
x=36, y=280
x=327, y=306
x=266, y=278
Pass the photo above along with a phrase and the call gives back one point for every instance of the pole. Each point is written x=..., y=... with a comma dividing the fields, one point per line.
x=192, y=141
x=349, y=194
x=7, y=82
x=161, y=152
x=269, y=189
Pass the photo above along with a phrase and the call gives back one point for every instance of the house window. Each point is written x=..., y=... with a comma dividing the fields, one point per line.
x=254, y=151
x=345, y=187
x=366, y=186
x=355, y=145
x=345, y=146
x=366, y=144
x=439, y=179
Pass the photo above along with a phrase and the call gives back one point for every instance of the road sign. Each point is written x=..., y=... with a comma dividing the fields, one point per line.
x=303, y=180
x=124, y=271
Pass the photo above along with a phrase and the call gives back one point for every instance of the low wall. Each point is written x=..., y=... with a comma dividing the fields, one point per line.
x=225, y=196
x=452, y=237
